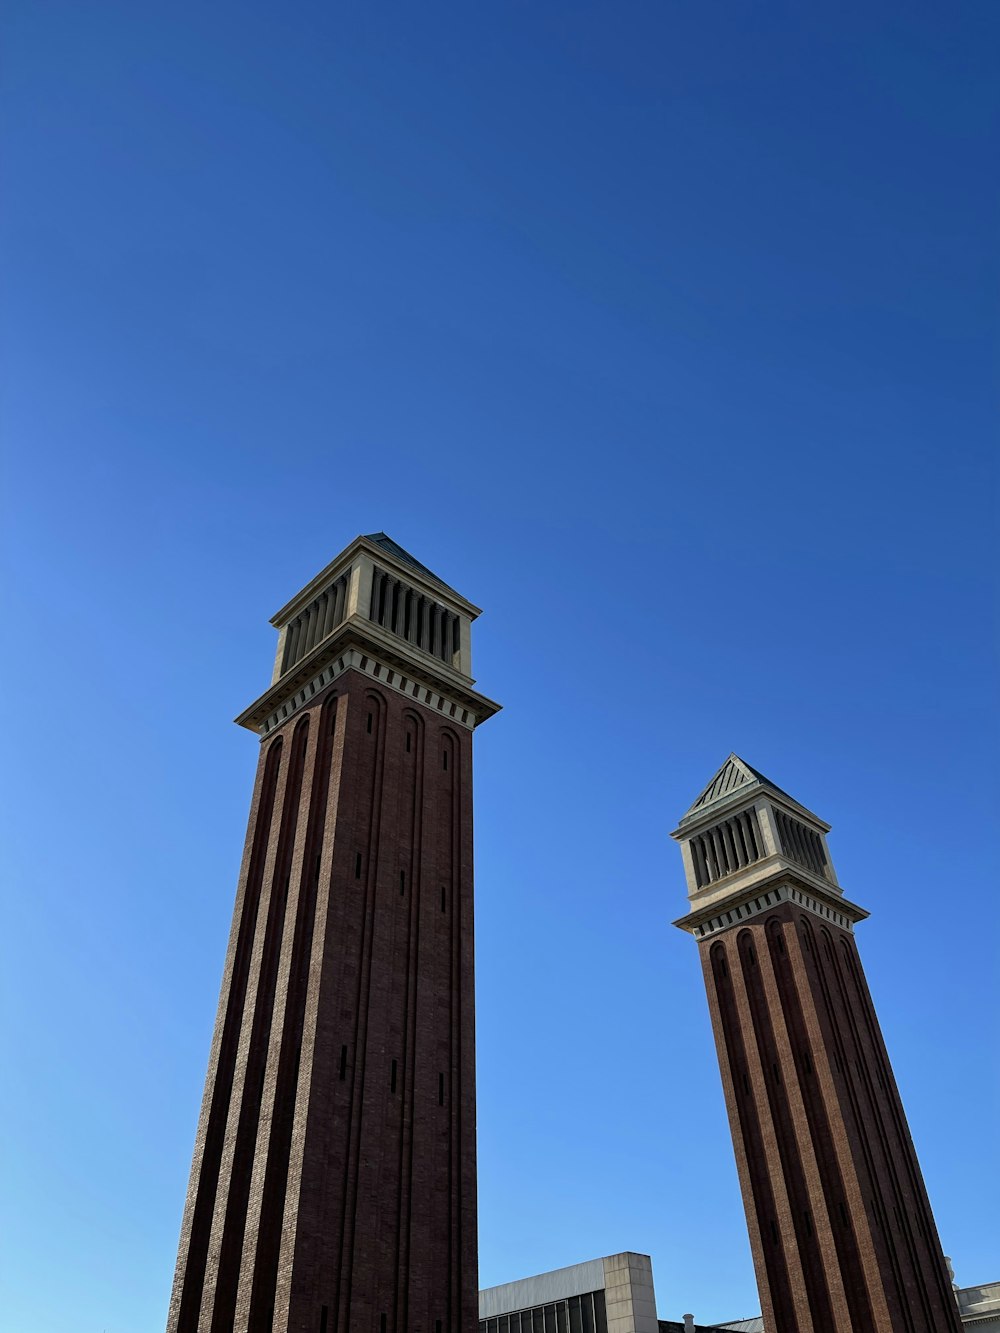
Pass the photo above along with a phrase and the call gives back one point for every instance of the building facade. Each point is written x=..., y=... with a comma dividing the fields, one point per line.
x=615, y=1295
x=841, y=1230
x=333, y=1186
x=609, y=1295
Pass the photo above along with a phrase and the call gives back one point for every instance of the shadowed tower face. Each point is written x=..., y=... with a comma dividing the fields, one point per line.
x=333, y=1188
x=841, y=1230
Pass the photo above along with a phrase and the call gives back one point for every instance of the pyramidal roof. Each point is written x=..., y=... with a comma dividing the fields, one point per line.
x=394, y=549
x=734, y=774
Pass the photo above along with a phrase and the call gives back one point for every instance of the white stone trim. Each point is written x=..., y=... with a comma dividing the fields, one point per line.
x=767, y=901
x=389, y=677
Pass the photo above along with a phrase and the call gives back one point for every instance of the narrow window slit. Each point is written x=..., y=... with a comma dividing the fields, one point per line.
x=357, y=865
x=402, y=882
x=392, y=1077
x=343, y=1063
x=440, y=1089
x=369, y=724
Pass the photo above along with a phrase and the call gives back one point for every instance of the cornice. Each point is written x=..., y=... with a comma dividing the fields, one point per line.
x=743, y=797
x=784, y=883
x=355, y=639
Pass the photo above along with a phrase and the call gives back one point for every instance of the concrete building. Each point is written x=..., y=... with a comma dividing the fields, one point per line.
x=333, y=1187
x=615, y=1295
x=980, y=1307
x=841, y=1230
x=610, y=1295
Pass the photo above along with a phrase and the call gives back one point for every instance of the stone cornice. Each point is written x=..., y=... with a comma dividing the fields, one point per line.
x=352, y=642
x=742, y=798
x=784, y=883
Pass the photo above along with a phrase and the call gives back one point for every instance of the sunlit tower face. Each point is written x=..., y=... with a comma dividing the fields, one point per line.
x=841, y=1231
x=333, y=1187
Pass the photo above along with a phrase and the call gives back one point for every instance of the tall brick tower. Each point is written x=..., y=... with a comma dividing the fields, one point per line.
x=841, y=1230
x=333, y=1188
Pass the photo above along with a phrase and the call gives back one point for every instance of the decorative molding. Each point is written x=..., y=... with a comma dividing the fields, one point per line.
x=766, y=902
x=352, y=659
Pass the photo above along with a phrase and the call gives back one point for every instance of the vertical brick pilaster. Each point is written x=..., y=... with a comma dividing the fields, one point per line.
x=821, y=1141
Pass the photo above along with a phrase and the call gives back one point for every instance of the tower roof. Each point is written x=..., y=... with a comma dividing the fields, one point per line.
x=733, y=774
x=393, y=548
x=737, y=777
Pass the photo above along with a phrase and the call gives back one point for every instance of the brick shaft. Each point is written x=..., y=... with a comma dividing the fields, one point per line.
x=333, y=1188
x=841, y=1230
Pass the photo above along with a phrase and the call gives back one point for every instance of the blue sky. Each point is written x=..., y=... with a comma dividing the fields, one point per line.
x=667, y=333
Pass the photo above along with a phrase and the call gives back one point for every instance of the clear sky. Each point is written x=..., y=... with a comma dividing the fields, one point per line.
x=664, y=331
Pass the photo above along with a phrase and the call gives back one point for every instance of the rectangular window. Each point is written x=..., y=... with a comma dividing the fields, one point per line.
x=587, y=1309
x=392, y=1078
x=324, y=1315
x=443, y=900
x=357, y=865
x=369, y=724
x=445, y=757
x=343, y=1062
x=408, y=742
x=440, y=1089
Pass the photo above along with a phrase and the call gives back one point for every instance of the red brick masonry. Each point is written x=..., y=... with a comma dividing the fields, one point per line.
x=333, y=1188
x=841, y=1230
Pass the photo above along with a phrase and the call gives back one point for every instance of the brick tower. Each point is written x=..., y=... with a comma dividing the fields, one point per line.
x=841, y=1230
x=333, y=1188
